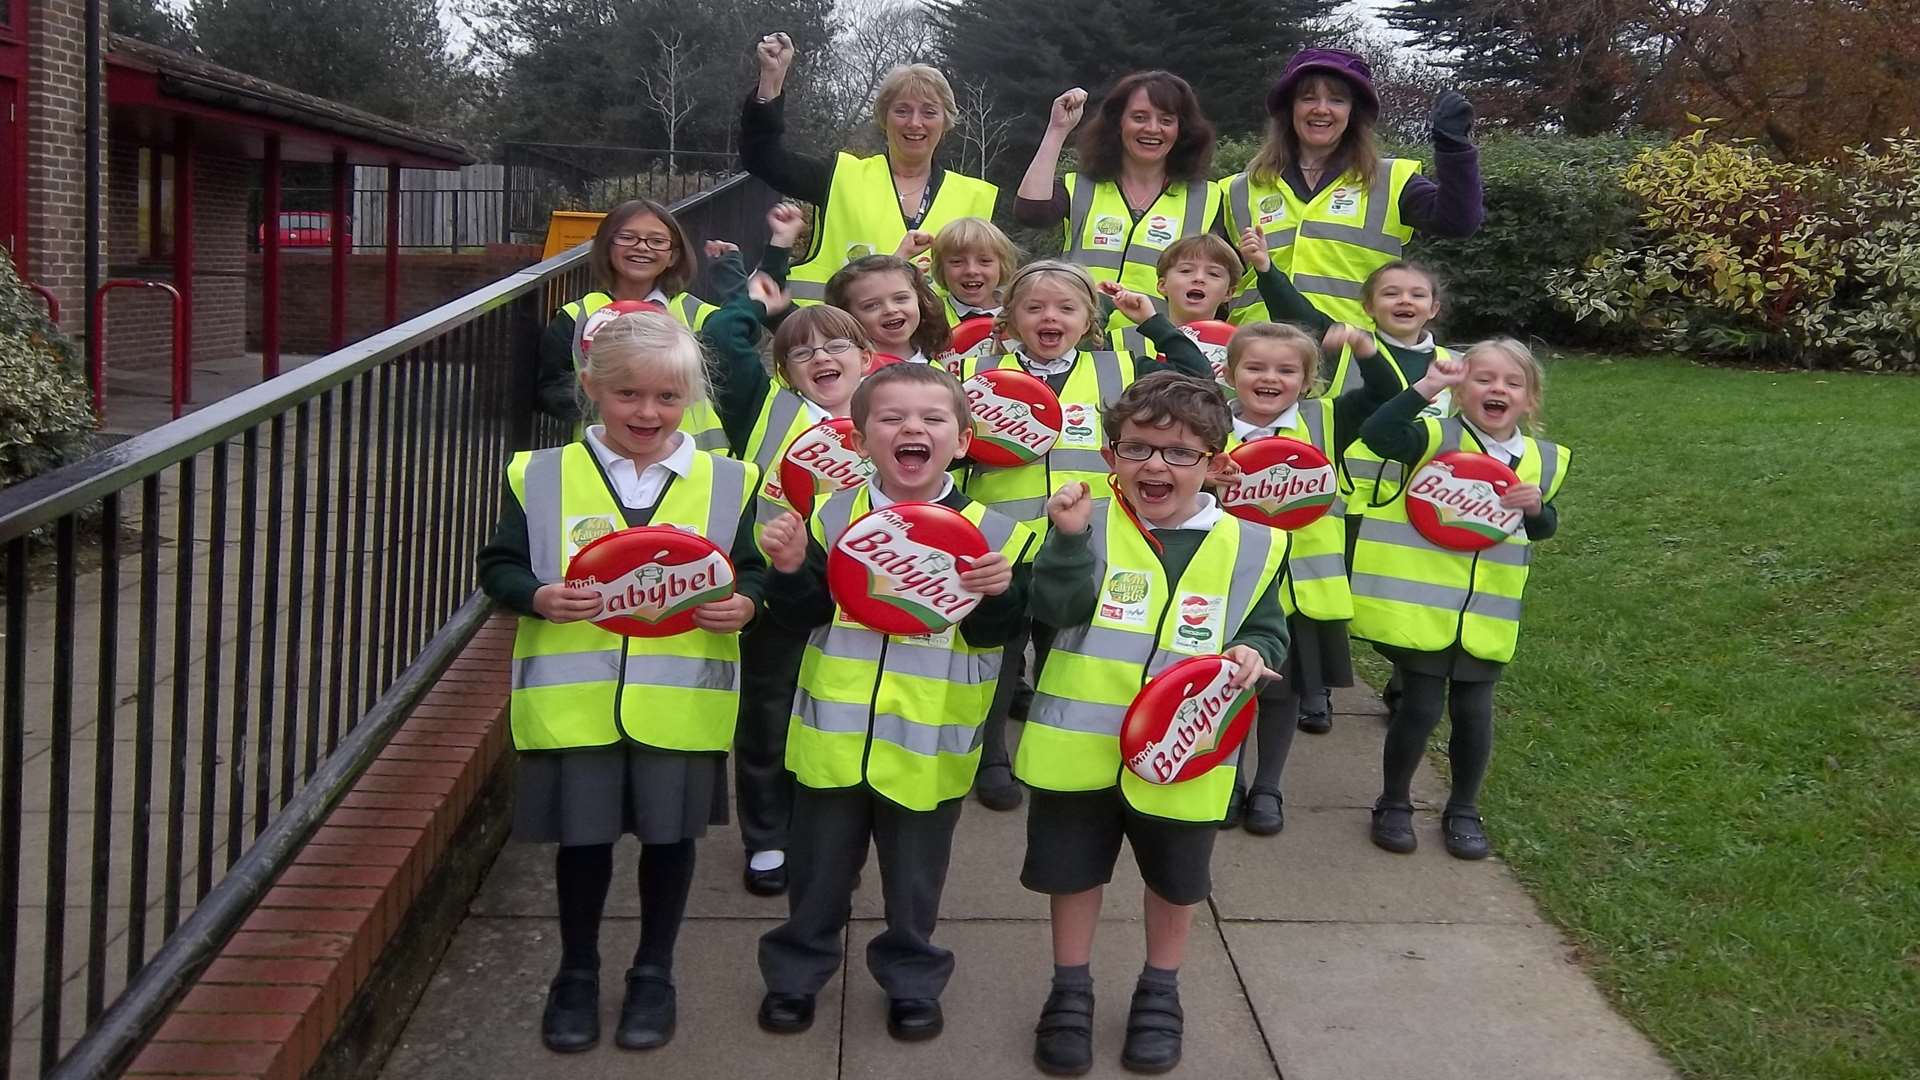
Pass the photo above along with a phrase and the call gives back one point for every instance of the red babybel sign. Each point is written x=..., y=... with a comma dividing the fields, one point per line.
x=1212, y=336
x=1285, y=483
x=651, y=578
x=1016, y=417
x=1186, y=720
x=973, y=337
x=821, y=459
x=879, y=360
x=591, y=324
x=1454, y=500
x=897, y=570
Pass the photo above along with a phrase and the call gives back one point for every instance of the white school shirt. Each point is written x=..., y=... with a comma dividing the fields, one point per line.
x=1508, y=451
x=1206, y=516
x=1246, y=432
x=881, y=500
x=1043, y=368
x=638, y=488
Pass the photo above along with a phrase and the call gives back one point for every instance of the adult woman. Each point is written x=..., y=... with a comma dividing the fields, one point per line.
x=1143, y=180
x=865, y=205
x=1331, y=208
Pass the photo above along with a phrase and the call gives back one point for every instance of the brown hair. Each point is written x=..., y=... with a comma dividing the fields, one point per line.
x=1373, y=280
x=1168, y=397
x=1050, y=270
x=931, y=336
x=822, y=322
x=673, y=280
x=1287, y=335
x=1192, y=154
x=974, y=234
x=1358, y=153
x=1206, y=247
x=908, y=374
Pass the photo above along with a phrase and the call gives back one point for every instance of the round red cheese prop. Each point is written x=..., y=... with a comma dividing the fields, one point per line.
x=879, y=360
x=1212, y=336
x=586, y=328
x=973, y=337
x=1285, y=483
x=1454, y=500
x=897, y=570
x=651, y=578
x=1016, y=417
x=1185, y=721
x=818, y=460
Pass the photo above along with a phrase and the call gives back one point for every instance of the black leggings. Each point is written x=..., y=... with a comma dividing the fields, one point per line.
x=1469, y=748
x=583, y=873
x=1272, y=736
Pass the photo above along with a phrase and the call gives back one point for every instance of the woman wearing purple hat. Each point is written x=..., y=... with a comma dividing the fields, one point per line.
x=1331, y=208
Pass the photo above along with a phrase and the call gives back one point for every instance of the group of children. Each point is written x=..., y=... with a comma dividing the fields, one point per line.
x=843, y=736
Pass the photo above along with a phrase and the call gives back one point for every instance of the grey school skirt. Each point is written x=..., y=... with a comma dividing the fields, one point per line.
x=1320, y=654
x=599, y=794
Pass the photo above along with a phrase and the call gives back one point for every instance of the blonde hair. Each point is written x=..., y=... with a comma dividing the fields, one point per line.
x=822, y=322
x=649, y=341
x=1531, y=371
x=1075, y=276
x=1286, y=335
x=1358, y=154
x=974, y=234
x=923, y=80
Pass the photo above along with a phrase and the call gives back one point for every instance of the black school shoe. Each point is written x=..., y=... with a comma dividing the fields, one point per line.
x=996, y=788
x=765, y=882
x=1465, y=838
x=571, y=1022
x=1155, y=1025
x=786, y=1014
x=1236, y=810
x=914, y=1019
x=1393, y=827
x=1264, y=814
x=646, y=1018
x=1317, y=718
x=1063, y=1039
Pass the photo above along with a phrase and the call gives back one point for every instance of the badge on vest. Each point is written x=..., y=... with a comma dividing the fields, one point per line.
x=1123, y=599
x=858, y=251
x=1272, y=208
x=1160, y=229
x=1108, y=232
x=1344, y=202
x=1079, y=430
x=1440, y=406
x=582, y=531
x=1203, y=623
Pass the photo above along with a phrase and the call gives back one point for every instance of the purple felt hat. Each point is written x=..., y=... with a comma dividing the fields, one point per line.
x=1350, y=66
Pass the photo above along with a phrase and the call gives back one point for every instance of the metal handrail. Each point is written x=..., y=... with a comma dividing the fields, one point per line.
x=34, y=503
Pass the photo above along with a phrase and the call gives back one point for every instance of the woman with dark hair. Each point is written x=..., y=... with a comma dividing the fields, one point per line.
x=1142, y=182
x=1331, y=209
x=864, y=206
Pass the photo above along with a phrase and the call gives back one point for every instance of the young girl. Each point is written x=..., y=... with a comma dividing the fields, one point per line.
x=893, y=301
x=1449, y=619
x=1051, y=316
x=613, y=736
x=1273, y=368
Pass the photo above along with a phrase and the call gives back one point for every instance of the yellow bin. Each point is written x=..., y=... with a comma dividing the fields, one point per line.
x=568, y=229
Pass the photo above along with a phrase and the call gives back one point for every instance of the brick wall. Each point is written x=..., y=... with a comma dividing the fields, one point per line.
x=427, y=280
x=56, y=151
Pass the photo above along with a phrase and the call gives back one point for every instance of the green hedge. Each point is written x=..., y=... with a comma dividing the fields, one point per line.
x=45, y=417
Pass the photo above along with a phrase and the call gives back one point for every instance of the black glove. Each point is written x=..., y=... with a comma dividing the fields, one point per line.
x=1452, y=120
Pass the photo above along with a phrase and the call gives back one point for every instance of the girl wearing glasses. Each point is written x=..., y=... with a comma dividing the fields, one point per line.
x=819, y=355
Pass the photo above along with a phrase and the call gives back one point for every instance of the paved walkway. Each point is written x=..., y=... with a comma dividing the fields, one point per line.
x=1318, y=958
x=140, y=398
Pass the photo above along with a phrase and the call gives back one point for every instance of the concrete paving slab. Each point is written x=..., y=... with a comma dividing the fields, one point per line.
x=999, y=983
x=1362, y=1002
x=480, y=1017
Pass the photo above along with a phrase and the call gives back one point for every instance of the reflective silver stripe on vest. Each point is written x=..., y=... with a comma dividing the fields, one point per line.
x=840, y=718
x=1021, y=509
x=1323, y=285
x=689, y=308
x=1240, y=203
x=566, y=669
x=1317, y=567
x=1100, y=260
x=729, y=497
x=713, y=440
x=1069, y=714
x=781, y=413
x=904, y=657
x=1373, y=235
x=1425, y=594
x=1242, y=589
x=1402, y=534
x=1196, y=218
x=1079, y=206
x=1314, y=419
x=1087, y=461
x=1133, y=341
x=540, y=494
x=801, y=289
x=1487, y=605
x=1549, y=467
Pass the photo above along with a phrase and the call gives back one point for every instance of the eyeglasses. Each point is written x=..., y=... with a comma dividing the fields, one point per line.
x=1177, y=456
x=652, y=243
x=838, y=347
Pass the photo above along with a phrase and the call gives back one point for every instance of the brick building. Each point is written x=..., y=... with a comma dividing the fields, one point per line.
x=187, y=143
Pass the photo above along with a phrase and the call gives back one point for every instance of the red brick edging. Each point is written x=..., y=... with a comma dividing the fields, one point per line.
x=269, y=1002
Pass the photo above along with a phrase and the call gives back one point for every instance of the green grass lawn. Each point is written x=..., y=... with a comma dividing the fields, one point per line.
x=1709, y=758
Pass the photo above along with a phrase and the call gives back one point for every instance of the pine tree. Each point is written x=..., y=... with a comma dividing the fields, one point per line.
x=150, y=21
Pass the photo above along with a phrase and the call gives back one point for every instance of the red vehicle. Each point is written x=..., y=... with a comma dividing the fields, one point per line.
x=303, y=229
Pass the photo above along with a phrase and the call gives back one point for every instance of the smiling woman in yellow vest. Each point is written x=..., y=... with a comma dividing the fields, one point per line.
x=1142, y=183
x=1449, y=620
x=621, y=735
x=863, y=206
x=639, y=252
x=1330, y=208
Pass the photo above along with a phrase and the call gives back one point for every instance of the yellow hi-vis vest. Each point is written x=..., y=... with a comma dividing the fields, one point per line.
x=1410, y=592
x=903, y=714
x=1072, y=737
x=784, y=416
x=1328, y=244
x=701, y=421
x=1102, y=236
x=1021, y=491
x=576, y=685
x=1367, y=481
x=862, y=217
x=1317, y=561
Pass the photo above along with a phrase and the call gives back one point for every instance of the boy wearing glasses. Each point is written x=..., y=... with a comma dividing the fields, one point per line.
x=1133, y=580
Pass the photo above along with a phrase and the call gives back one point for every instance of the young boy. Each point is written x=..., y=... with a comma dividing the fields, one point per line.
x=1112, y=567
x=885, y=735
x=1197, y=276
x=972, y=261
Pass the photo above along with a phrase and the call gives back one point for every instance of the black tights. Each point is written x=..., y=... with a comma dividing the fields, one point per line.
x=1469, y=747
x=1272, y=736
x=584, y=872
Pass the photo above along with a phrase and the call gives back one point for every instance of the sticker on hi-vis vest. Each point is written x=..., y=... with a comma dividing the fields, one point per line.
x=1202, y=624
x=1272, y=208
x=858, y=251
x=1123, y=599
x=1108, y=232
x=1344, y=202
x=582, y=531
x=1078, y=430
x=1160, y=229
x=1441, y=405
